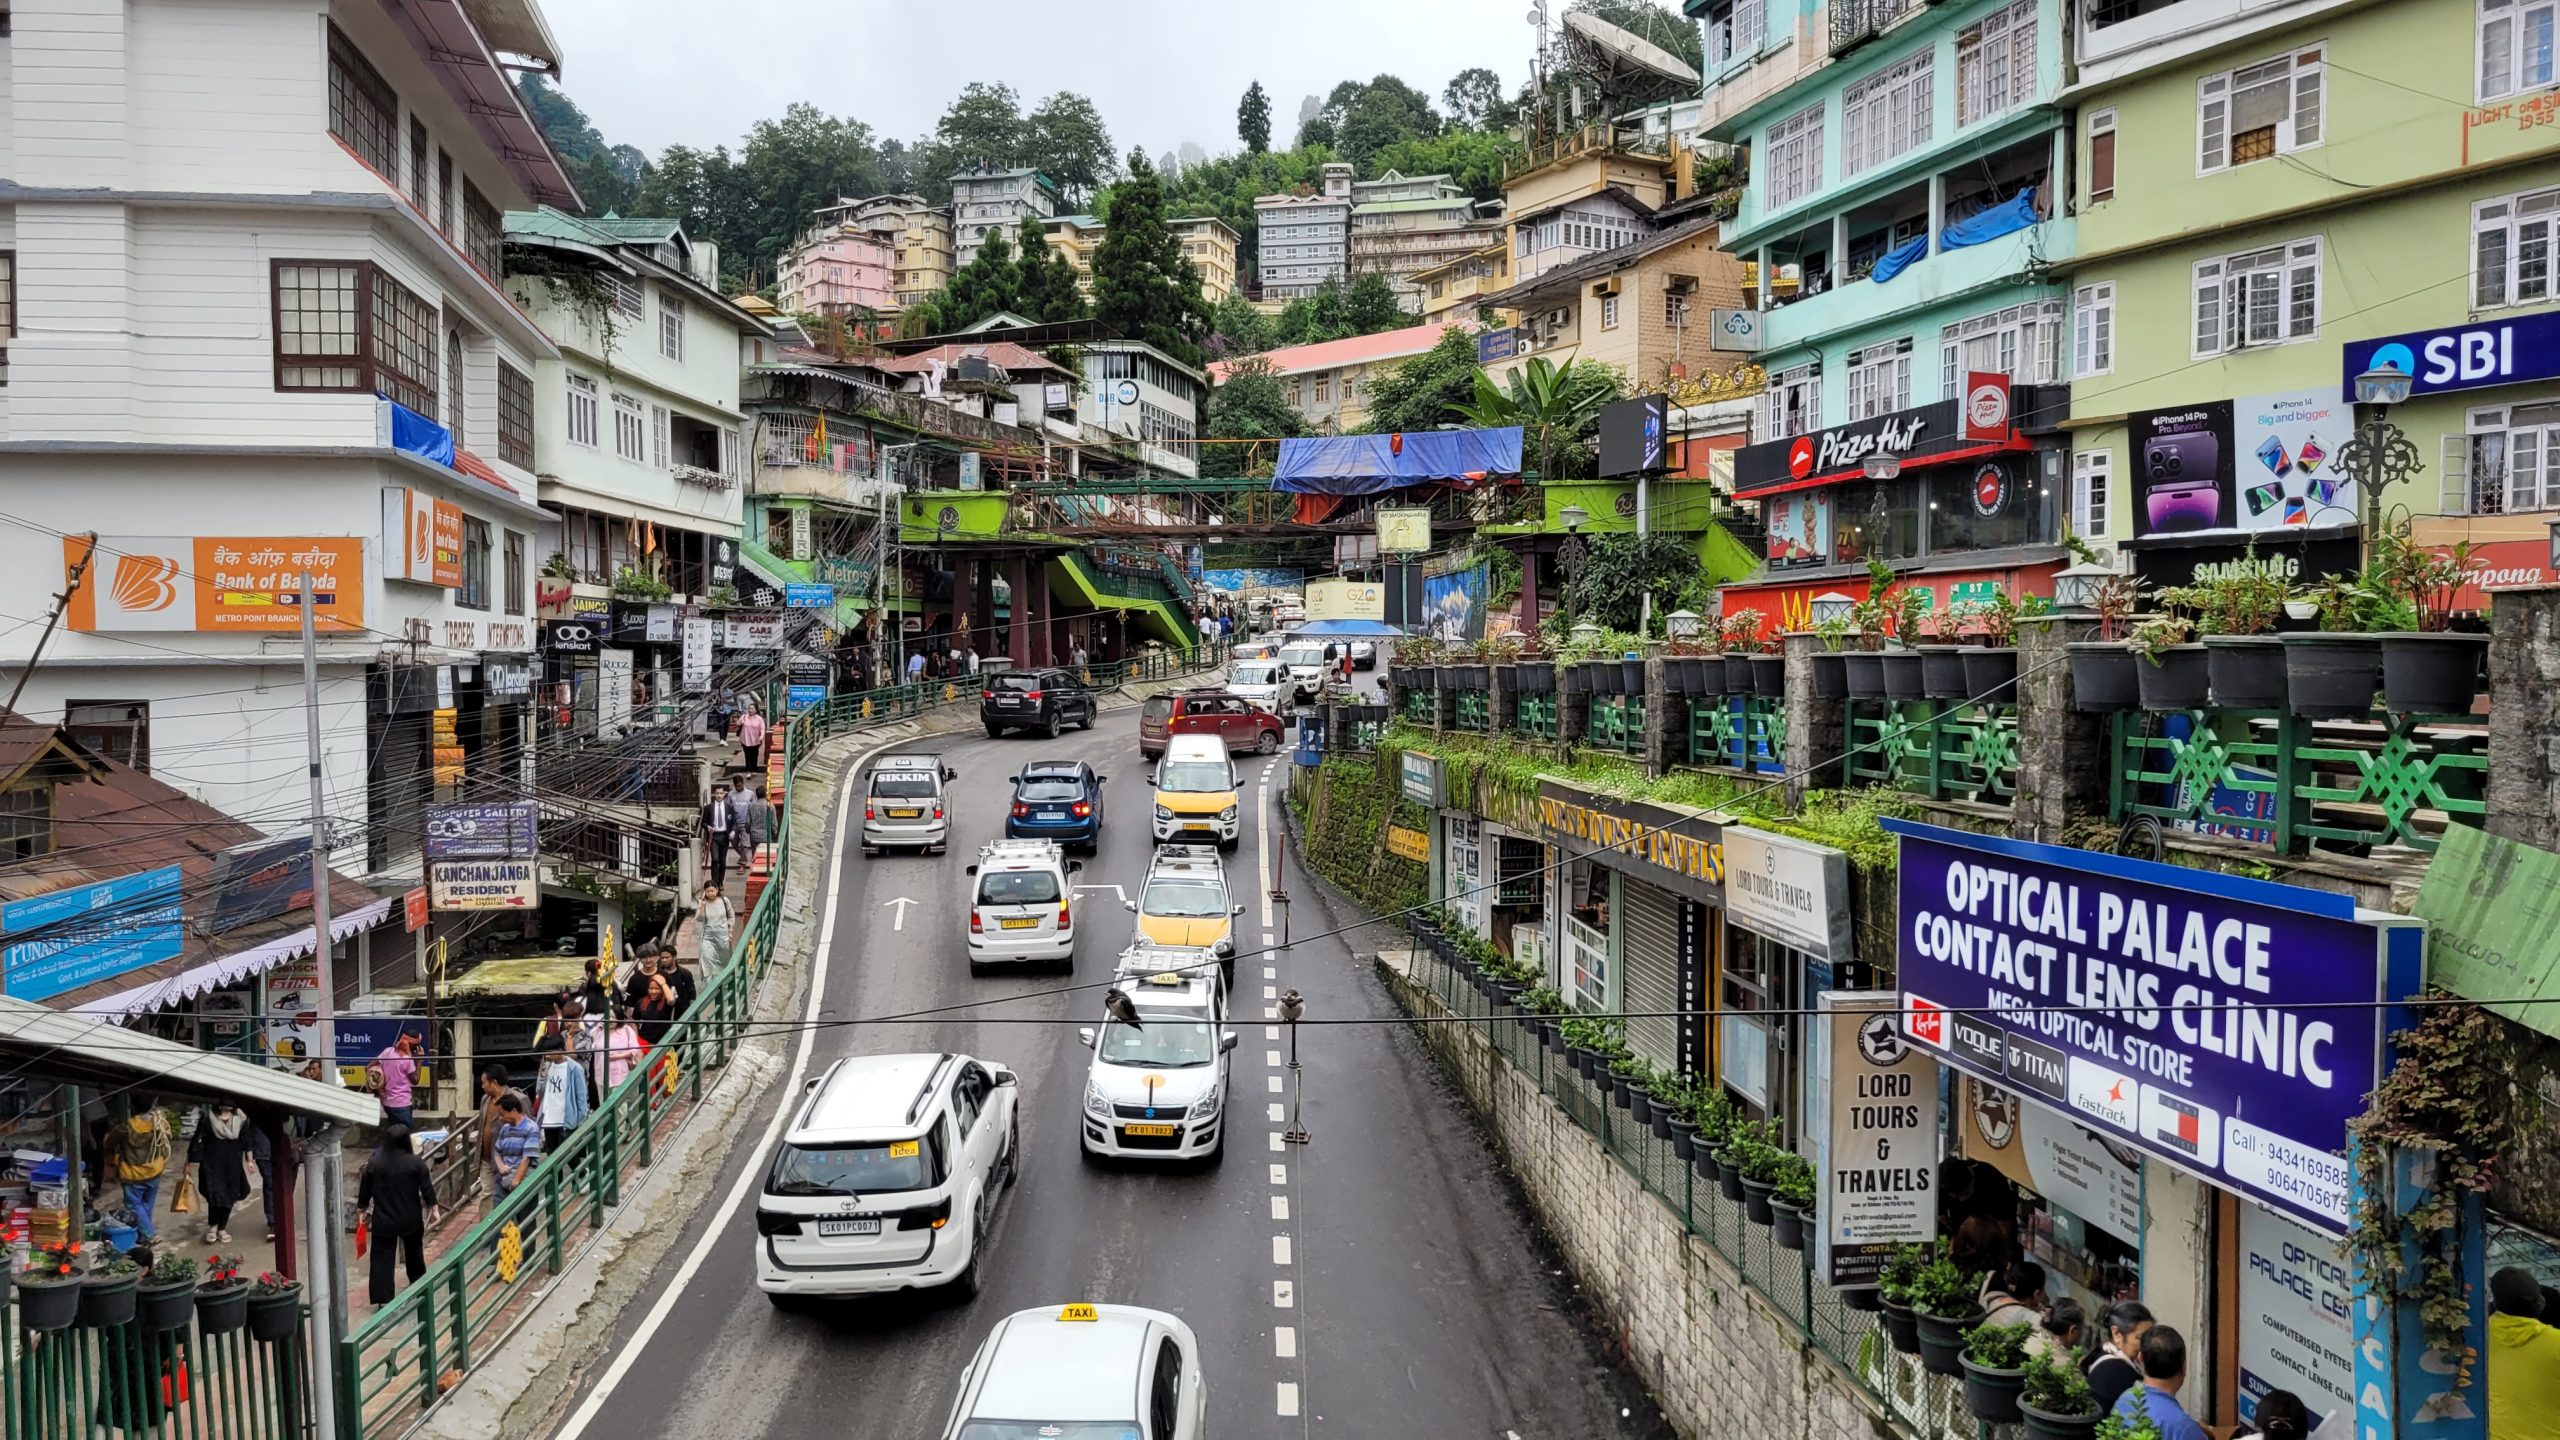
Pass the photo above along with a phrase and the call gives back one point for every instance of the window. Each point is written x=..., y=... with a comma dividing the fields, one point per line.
x=514, y=575
x=1736, y=30
x=2102, y=156
x=482, y=231
x=1880, y=380
x=2508, y=461
x=1324, y=388
x=1164, y=1405
x=630, y=428
x=1793, y=405
x=1795, y=157
x=454, y=385
x=2021, y=342
x=1991, y=504
x=1887, y=113
x=418, y=163
x=2093, y=329
x=2511, y=240
x=2515, y=47
x=515, y=416
x=444, y=194
x=1297, y=394
x=8, y=308
x=582, y=411
x=362, y=110
x=2091, y=472
x=353, y=328
x=474, y=594
x=670, y=327
x=119, y=730
x=26, y=823
x=2257, y=111
x=2263, y=297
x=1608, y=312
x=1996, y=63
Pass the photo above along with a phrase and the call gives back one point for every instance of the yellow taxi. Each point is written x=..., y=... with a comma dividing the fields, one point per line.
x=1184, y=904
x=1196, y=792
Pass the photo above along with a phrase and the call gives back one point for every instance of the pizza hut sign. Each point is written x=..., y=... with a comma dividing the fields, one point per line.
x=1850, y=445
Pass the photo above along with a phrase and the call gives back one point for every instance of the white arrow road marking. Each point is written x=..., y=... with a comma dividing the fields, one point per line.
x=899, y=922
x=1121, y=894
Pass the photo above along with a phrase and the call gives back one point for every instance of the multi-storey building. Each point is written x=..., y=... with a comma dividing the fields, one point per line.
x=984, y=199
x=1642, y=307
x=1401, y=225
x=1075, y=238
x=255, y=327
x=1304, y=240
x=1209, y=243
x=916, y=232
x=841, y=270
x=1590, y=191
x=1454, y=290
x=1328, y=382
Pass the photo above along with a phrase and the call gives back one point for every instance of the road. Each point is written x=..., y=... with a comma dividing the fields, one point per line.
x=1378, y=1281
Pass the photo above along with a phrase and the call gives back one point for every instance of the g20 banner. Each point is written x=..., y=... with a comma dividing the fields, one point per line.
x=2227, y=1026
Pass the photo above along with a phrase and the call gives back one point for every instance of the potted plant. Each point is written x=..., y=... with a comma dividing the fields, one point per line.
x=1675, y=1115
x=1865, y=665
x=2103, y=677
x=1761, y=1159
x=1946, y=1302
x=2244, y=659
x=1942, y=664
x=49, y=1288
x=1713, y=1111
x=2434, y=669
x=222, y=1296
x=275, y=1307
x=1895, y=1286
x=2054, y=1400
x=2172, y=674
x=1903, y=677
x=1741, y=637
x=166, y=1297
x=106, y=1295
x=1991, y=668
x=1627, y=1077
x=2137, y=1426
x=1830, y=667
x=1792, y=1203
x=2332, y=672
x=1995, y=1360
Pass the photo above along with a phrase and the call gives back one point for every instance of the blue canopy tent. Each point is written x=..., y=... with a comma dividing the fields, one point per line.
x=1371, y=464
x=1345, y=630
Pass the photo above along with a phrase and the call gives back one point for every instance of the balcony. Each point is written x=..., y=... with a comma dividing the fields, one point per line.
x=1855, y=22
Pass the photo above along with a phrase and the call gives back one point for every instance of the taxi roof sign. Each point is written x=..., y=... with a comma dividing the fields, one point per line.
x=1079, y=1312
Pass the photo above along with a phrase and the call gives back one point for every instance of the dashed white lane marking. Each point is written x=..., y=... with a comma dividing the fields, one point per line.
x=1279, y=1174
x=1269, y=939
x=1271, y=1032
x=1279, y=1249
x=1275, y=1083
x=1271, y=1058
x=1288, y=1397
x=1278, y=1144
x=1270, y=1012
x=1270, y=992
x=1270, y=972
x=1279, y=1207
x=1279, y=1112
x=1284, y=1340
x=1283, y=1294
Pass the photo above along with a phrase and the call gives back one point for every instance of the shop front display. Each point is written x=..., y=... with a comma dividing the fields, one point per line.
x=1637, y=874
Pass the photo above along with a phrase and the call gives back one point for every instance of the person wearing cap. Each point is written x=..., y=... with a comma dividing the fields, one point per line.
x=2523, y=1360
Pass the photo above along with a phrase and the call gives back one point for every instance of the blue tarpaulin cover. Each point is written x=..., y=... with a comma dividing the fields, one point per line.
x=1899, y=258
x=1367, y=464
x=420, y=436
x=1991, y=224
x=1345, y=630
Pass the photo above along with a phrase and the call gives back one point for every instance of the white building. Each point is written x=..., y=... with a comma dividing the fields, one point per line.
x=254, y=252
x=1135, y=391
x=1304, y=240
x=984, y=200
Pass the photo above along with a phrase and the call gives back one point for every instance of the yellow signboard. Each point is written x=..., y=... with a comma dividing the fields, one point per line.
x=1346, y=600
x=1079, y=1312
x=1411, y=844
x=1404, y=531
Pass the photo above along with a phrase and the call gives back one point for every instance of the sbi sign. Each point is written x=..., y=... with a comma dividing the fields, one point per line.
x=2463, y=357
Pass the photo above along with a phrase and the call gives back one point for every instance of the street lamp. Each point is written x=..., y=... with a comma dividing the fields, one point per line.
x=1585, y=633
x=1681, y=624
x=1831, y=605
x=1574, y=518
x=2075, y=588
x=2380, y=455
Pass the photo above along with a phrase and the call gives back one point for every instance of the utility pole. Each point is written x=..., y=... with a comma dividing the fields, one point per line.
x=328, y=997
x=322, y=1185
x=70, y=587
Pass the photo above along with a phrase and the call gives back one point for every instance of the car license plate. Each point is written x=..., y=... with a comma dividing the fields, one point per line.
x=1021, y=922
x=1146, y=1129
x=1199, y=825
x=866, y=1225
x=1053, y=813
x=905, y=814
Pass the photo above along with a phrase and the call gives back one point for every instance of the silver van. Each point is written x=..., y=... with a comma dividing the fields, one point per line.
x=905, y=804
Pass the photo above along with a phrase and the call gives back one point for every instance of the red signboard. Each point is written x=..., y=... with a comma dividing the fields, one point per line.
x=414, y=909
x=1986, y=405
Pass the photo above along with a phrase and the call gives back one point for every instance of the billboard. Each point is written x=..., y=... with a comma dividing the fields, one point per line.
x=484, y=884
x=259, y=881
x=58, y=942
x=1631, y=435
x=503, y=830
x=421, y=537
x=214, y=585
x=1453, y=605
x=1346, y=600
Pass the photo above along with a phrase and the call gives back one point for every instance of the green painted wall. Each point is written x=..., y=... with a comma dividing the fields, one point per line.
x=979, y=516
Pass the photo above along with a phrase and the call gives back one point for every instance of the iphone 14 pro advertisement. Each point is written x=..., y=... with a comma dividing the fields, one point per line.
x=2182, y=469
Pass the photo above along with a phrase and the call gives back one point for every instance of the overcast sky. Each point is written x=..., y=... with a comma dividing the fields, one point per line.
x=653, y=73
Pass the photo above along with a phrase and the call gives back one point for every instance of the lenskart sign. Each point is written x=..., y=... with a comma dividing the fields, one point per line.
x=2229, y=1027
x=1682, y=852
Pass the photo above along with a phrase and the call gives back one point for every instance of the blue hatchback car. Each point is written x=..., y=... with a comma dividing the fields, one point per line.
x=1057, y=800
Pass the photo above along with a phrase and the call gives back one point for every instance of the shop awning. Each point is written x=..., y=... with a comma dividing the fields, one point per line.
x=1368, y=464
x=214, y=974
x=87, y=1052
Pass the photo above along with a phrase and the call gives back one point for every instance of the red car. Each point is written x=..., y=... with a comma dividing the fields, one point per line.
x=1245, y=726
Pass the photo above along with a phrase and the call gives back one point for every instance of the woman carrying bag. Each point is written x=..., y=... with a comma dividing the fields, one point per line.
x=219, y=1154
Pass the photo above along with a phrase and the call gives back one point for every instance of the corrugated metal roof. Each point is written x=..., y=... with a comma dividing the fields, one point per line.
x=44, y=1041
x=1359, y=349
x=1409, y=207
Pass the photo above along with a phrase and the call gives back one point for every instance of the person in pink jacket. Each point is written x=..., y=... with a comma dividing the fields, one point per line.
x=751, y=735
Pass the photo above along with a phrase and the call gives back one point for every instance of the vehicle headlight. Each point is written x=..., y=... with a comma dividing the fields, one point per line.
x=1207, y=1105
x=1227, y=943
x=1163, y=814
x=1227, y=814
x=1094, y=1103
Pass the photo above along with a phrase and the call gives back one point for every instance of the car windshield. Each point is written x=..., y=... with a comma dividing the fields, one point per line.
x=1303, y=655
x=1050, y=787
x=1158, y=709
x=1049, y=1430
x=904, y=785
x=1018, y=887
x=1014, y=680
x=1194, y=775
x=1176, y=1042
x=1184, y=899
x=1251, y=675
x=856, y=1169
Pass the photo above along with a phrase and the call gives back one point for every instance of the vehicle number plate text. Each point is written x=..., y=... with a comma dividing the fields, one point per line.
x=865, y=1225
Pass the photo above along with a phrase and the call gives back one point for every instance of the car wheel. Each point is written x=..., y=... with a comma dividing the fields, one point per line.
x=964, y=1286
x=1268, y=744
x=1092, y=1157
x=1013, y=1150
x=994, y=730
x=1090, y=711
x=1217, y=1156
x=786, y=1304
x=1229, y=844
x=1051, y=726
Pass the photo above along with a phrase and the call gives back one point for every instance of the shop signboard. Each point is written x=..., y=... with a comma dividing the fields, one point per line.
x=482, y=830
x=570, y=637
x=751, y=630
x=797, y=698
x=551, y=596
x=1681, y=851
x=413, y=910
x=361, y=1039
x=1788, y=605
x=1346, y=600
x=1410, y=844
x=484, y=884
x=1405, y=530
x=62, y=940
x=613, y=689
x=421, y=537
x=2459, y=357
x=259, y=881
x=697, y=654
x=1876, y=1154
x=2181, y=469
x=660, y=625
x=2227, y=1026
x=2261, y=466
x=1419, y=777
x=220, y=586
x=1799, y=528
x=809, y=597
x=1631, y=436
x=2297, y=1329
x=293, y=1009
x=2507, y=552
x=1789, y=890
x=2044, y=1150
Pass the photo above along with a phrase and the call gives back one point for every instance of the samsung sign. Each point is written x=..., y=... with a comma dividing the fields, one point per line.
x=2462, y=357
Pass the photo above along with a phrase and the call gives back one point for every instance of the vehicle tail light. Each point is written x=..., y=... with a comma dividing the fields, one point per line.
x=977, y=922
x=770, y=1222
x=931, y=1217
x=937, y=809
x=1032, y=695
x=1083, y=809
x=869, y=811
x=1020, y=810
x=1065, y=920
x=986, y=694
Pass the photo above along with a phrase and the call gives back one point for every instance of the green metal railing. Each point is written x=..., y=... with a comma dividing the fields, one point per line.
x=179, y=1385
x=1536, y=717
x=392, y=1365
x=1474, y=711
x=1944, y=749
x=1616, y=723
x=2273, y=778
x=1422, y=707
x=1743, y=732
x=1852, y=1340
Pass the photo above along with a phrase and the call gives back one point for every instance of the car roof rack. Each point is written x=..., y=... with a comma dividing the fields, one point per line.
x=1011, y=848
x=1198, y=961
x=1184, y=852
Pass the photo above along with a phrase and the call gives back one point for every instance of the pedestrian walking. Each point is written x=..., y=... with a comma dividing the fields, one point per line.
x=715, y=835
x=563, y=1098
x=395, y=1078
x=751, y=734
x=397, y=1197
x=752, y=818
x=493, y=1088
x=716, y=919
x=623, y=1049
x=219, y=1154
x=138, y=1151
x=915, y=668
x=2114, y=1370
x=517, y=1146
x=973, y=659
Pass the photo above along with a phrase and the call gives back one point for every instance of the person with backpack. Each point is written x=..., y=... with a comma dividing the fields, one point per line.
x=138, y=1149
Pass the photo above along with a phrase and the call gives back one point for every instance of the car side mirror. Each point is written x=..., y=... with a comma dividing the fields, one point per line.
x=1101, y=779
x=1075, y=867
x=950, y=774
x=973, y=870
x=1226, y=1041
x=1238, y=910
x=1130, y=905
x=811, y=1087
x=1085, y=1034
x=1006, y=1079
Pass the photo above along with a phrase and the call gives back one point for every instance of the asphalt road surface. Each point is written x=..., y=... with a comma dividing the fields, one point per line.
x=1377, y=1282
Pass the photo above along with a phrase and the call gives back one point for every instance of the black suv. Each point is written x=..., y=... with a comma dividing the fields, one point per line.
x=1044, y=700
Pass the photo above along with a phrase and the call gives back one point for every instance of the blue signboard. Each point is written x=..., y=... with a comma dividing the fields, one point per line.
x=2227, y=1026
x=361, y=1038
x=2461, y=357
x=260, y=881
x=1492, y=345
x=809, y=597
x=500, y=831
x=90, y=933
x=802, y=697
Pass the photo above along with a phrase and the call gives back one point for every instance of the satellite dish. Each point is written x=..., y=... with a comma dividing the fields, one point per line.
x=1623, y=65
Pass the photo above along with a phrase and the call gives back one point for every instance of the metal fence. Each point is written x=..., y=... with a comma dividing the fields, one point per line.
x=172, y=1385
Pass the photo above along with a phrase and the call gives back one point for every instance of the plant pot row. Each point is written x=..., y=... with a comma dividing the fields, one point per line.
x=1604, y=677
x=1764, y=675
x=104, y=1304
x=1930, y=672
x=2318, y=675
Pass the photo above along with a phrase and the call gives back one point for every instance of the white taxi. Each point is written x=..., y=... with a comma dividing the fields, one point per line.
x=1157, y=1090
x=1083, y=1372
x=1022, y=906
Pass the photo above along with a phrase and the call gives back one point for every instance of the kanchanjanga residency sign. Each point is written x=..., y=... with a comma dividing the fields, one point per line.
x=2493, y=911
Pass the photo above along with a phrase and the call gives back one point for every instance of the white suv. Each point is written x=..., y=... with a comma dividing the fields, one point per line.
x=888, y=1178
x=1023, y=909
x=1086, y=1372
x=1157, y=1090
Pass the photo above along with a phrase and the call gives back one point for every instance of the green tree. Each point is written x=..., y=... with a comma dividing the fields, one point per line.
x=1250, y=404
x=1368, y=118
x=1044, y=283
x=1475, y=101
x=1241, y=329
x=1475, y=159
x=1370, y=305
x=988, y=283
x=1143, y=288
x=1428, y=391
x=1253, y=119
x=1617, y=571
x=983, y=125
x=1663, y=25
x=1316, y=131
x=1557, y=408
x=608, y=176
x=792, y=165
x=1066, y=140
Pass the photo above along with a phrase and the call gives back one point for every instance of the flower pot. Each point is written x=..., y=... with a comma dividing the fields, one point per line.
x=2102, y=676
x=1675, y=675
x=1577, y=680
x=1702, y=1159
x=50, y=1306
x=1865, y=1298
x=1830, y=676
x=2173, y=680
x=2431, y=673
x=1903, y=679
x=1788, y=1229
x=1476, y=677
x=1579, y=1059
x=1991, y=1394
x=1863, y=673
x=1942, y=672
x=1737, y=675
x=1606, y=677
x=1684, y=1137
x=163, y=1308
x=1755, y=1201
x=1639, y=1104
x=222, y=1309
x=1705, y=672
x=1769, y=676
x=2331, y=674
x=2245, y=672
x=1942, y=1342
x=1660, y=1121
x=1631, y=672
x=105, y=1304
x=1991, y=676
x=273, y=1317
x=1728, y=1178
x=1622, y=1092
x=1901, y=1327
x=2042, y=1425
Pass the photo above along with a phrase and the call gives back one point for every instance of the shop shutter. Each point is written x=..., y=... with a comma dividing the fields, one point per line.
x=1650, y=948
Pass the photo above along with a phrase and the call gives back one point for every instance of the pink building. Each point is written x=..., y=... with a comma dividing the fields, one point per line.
x=842, y=273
